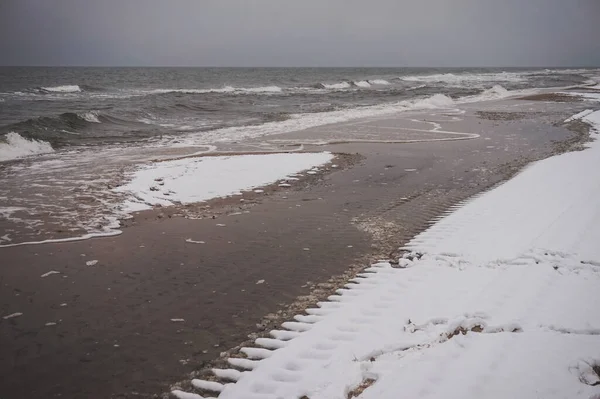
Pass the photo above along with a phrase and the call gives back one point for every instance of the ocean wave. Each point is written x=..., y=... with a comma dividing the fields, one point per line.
x=382, y=82
x=416, y=87
x=62, y=89
x=15, y=146
x=224, y=89
x=362, y=83
x=91, y=116
x=459, y=79
x=434, y=102
x=336, y=86
x=495, y=93
x=297, y=122
x=69, y=121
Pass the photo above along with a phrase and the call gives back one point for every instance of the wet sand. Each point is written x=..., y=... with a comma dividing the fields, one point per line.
x=118, y=331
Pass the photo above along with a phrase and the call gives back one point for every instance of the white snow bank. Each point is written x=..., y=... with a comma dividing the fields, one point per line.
x=579, y=115
x=502, y=303
x=548, y=205
x=199, y=179
x=17, y=146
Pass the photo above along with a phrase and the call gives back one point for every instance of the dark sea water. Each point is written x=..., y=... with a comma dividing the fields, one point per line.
x=95, y=106
x=69, y=136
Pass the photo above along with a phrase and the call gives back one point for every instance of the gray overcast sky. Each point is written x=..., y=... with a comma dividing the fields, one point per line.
x=300, y=32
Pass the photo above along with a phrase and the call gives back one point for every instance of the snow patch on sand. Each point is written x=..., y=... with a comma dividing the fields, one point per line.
x=195, y=180
x=503, y=289
x=12, y=315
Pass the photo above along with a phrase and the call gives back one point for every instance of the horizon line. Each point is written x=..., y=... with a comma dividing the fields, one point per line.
x=297, y=67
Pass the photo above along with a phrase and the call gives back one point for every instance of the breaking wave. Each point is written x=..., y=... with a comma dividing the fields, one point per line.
x=224, y=89
x=91, y=116
x=62, y=89
x=362, y=83
x=495, y=93
x=433, y=102
x=15, y=146
x=378, y=82
x=336, y=86
x=459, y=79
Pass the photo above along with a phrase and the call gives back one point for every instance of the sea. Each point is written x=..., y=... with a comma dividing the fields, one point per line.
x=68, y=133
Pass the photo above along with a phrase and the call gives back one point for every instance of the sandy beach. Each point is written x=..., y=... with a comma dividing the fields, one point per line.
x=131, y=315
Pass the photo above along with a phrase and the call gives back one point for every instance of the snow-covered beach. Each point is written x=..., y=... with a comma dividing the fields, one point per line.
x=498, y=299
x=187, y=282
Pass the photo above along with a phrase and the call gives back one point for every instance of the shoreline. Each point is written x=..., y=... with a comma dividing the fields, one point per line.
x=399, y=188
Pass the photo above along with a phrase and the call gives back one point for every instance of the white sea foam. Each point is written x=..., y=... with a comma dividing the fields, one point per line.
x=495, y=93
x=362, y=83
x=91, y=116
x=433, y=102
x=416, y=87
x=378, y=82
x=466, y=78
x=337, y=86
x=224, y=89
x=267, y=89
x=19, y=147
x=299, y=122
x=62, y=89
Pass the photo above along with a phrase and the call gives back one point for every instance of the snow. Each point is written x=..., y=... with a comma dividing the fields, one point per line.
x=91, y=262
x=10, y=316
x=579, y=115
x=498, y=299
x=199, y=179
x=194, y=241
x=51, y=272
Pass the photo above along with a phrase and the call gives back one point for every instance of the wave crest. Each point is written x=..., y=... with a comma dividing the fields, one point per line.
x=224, y=89
x=91, y=116
x=459, y=79
x=337, y=86
x=17, y=146
x=62, y=89
x=435, y=101
x=378, y=82
x=362, y=83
